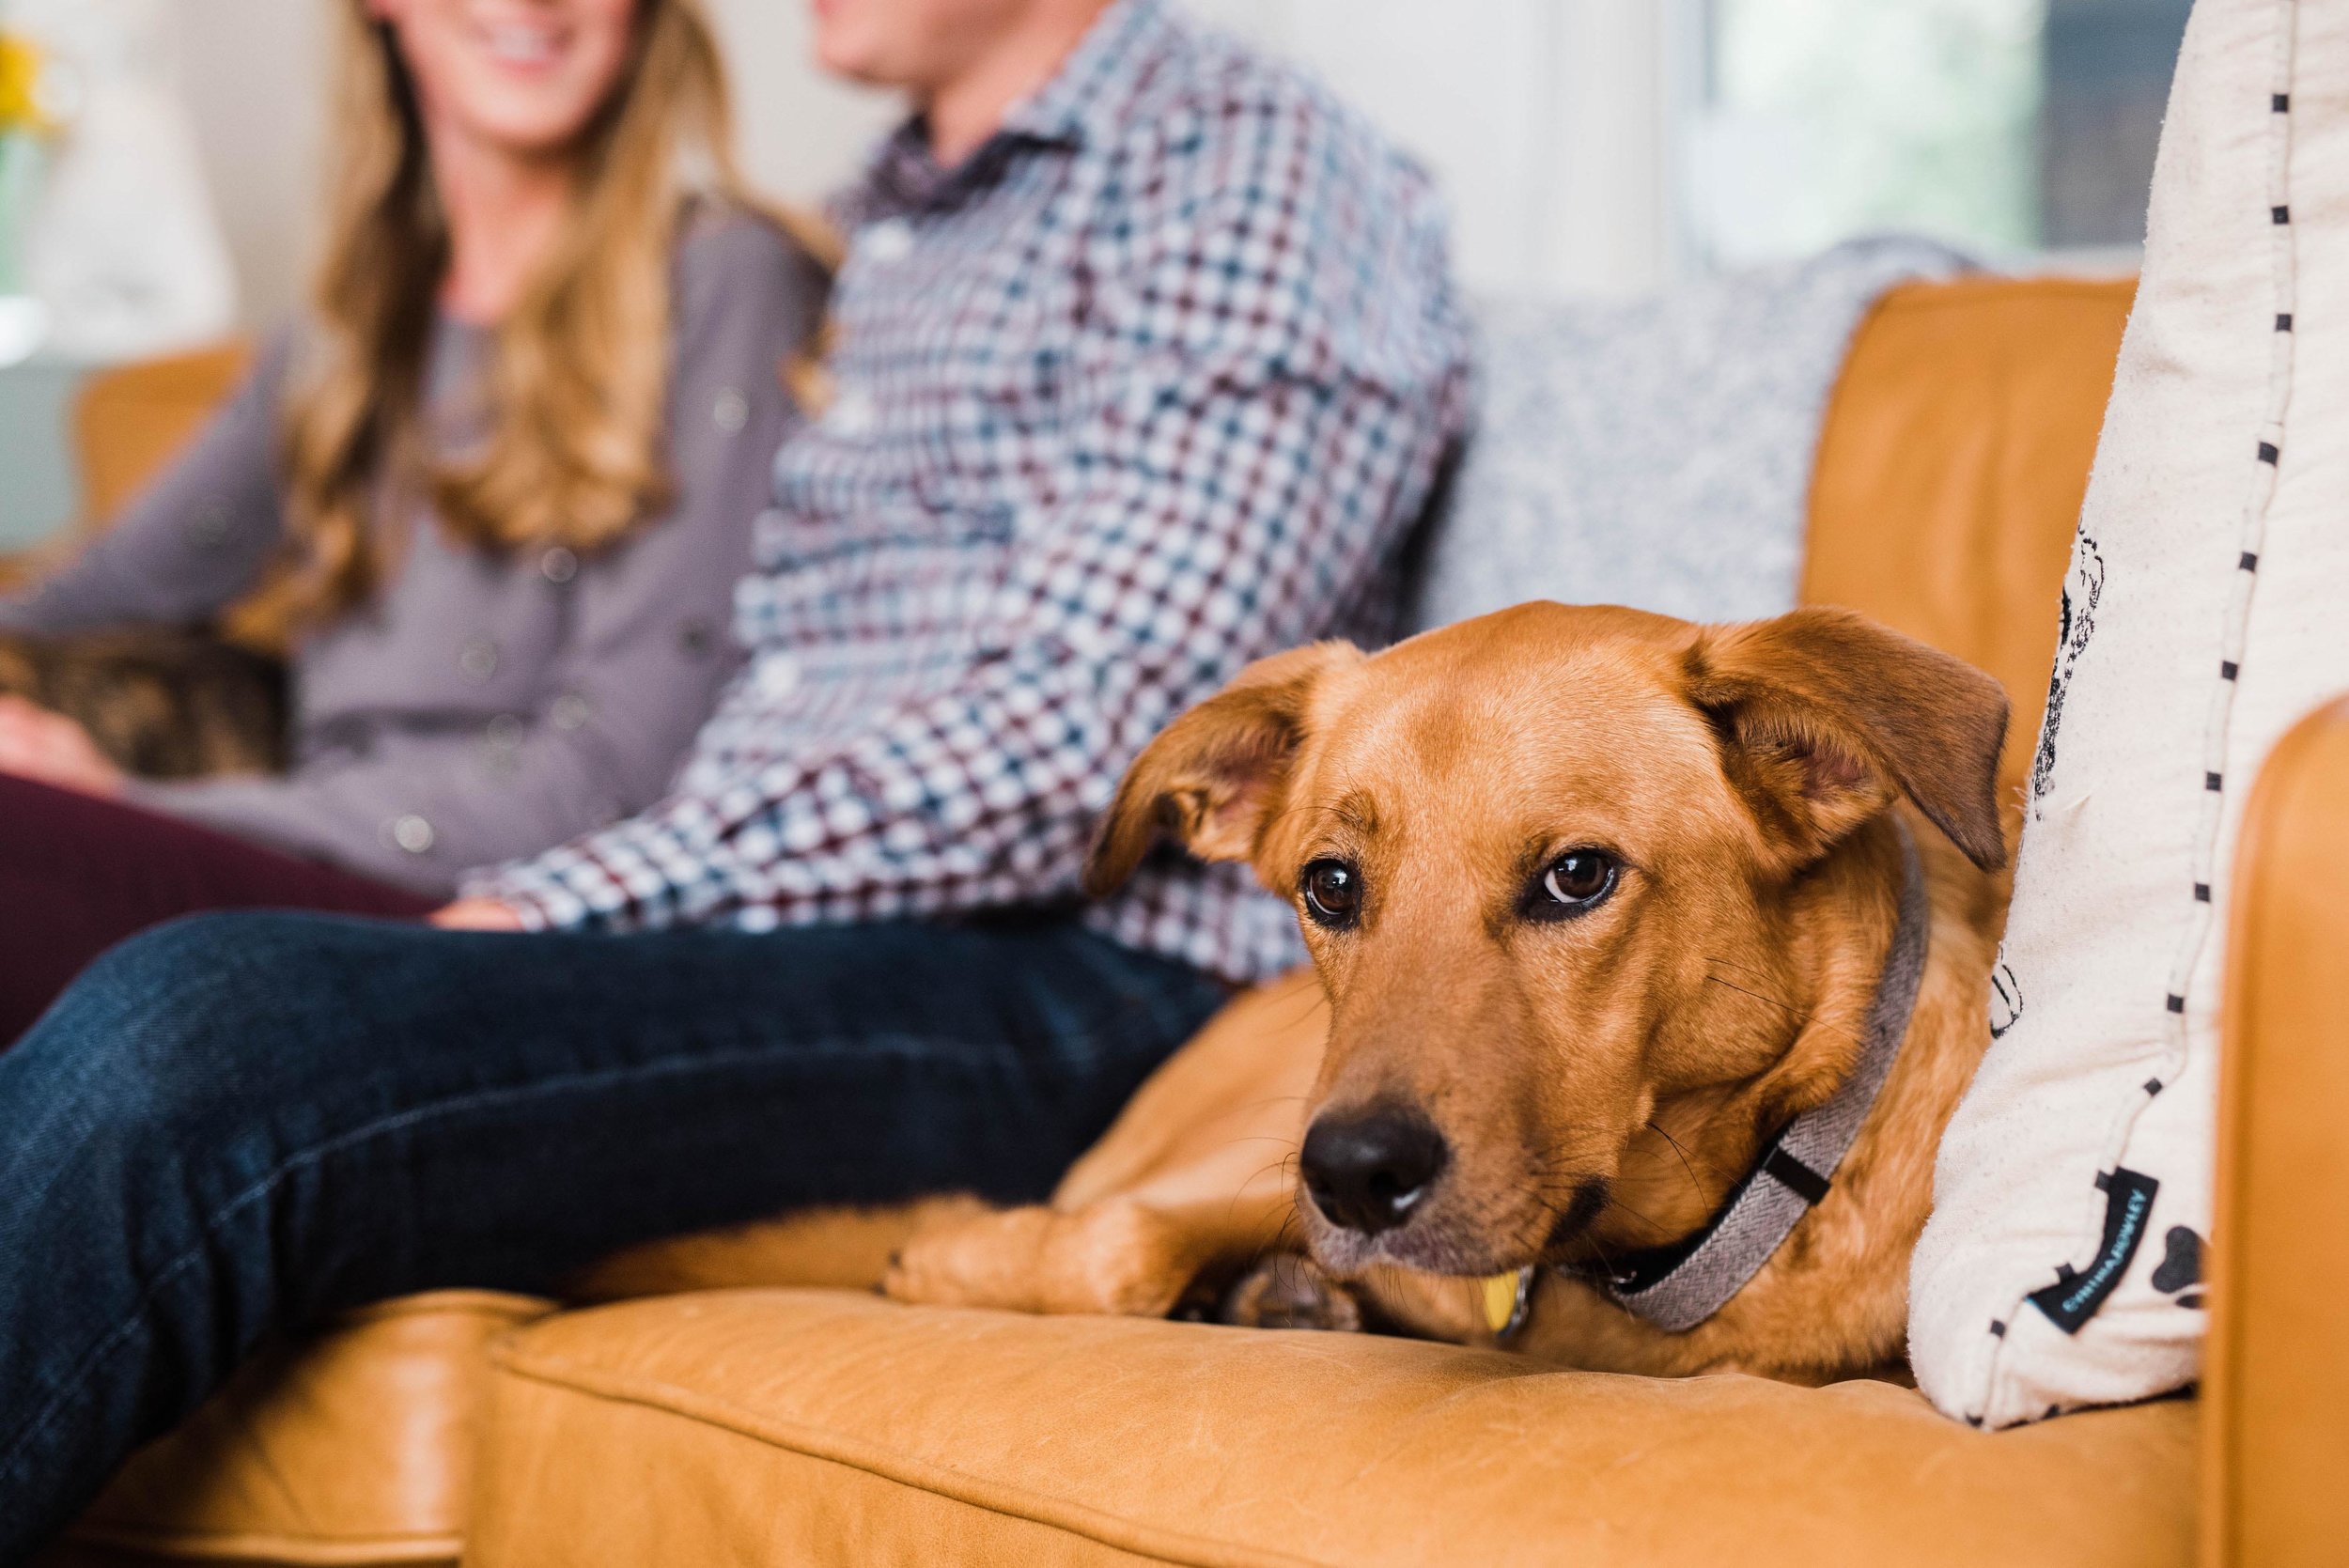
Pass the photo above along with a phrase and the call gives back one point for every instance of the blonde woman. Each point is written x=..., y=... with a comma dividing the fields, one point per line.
x=500, y=481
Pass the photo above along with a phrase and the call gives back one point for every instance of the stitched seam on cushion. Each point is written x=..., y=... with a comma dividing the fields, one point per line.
x=238, y=1546
x=993, y=1497
x=494, y=1306
x=20, y=1447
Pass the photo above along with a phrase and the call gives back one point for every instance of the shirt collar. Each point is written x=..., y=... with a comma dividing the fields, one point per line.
x=1082, y=100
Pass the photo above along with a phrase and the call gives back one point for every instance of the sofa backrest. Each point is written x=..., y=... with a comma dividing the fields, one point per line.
x=1952, y=467
x=1949, y=473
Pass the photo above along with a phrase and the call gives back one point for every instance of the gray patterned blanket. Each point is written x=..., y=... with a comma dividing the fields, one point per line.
x=1655, y=453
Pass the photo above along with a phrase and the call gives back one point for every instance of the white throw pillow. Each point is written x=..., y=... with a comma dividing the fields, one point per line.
x=2207, y=608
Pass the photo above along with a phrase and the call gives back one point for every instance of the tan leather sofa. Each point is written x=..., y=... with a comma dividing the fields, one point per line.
x=802, y=1425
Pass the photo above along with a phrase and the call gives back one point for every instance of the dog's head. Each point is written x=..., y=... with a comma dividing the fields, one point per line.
x=1572, y=877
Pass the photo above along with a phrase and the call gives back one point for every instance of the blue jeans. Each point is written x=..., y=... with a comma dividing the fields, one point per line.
x=243, y=1123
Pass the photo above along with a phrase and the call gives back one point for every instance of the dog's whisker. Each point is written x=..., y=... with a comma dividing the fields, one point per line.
x=1659, y=1130
x=1285, y=1240
x=1615, y=1202
x=1735, y=964
x=1280, y=1164
x=1796, y=1013
x=1530, y=1243
x=1532, y=1246
x=1311, y=1001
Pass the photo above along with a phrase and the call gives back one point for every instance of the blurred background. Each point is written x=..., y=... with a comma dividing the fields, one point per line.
x=1589, y=148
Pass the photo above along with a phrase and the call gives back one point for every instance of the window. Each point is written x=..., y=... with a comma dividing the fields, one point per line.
x=2005, y=126
x=2108, y=64
x=1594, y=147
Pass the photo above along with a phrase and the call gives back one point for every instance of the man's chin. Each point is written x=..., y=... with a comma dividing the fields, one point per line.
x=839, y=54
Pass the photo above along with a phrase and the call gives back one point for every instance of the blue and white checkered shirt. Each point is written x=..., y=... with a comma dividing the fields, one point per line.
x=1149, y=386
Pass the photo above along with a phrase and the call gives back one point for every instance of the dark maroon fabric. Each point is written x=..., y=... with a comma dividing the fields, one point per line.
x=77, y=875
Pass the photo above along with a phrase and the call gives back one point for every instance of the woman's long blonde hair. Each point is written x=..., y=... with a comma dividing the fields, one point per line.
x=570, y=448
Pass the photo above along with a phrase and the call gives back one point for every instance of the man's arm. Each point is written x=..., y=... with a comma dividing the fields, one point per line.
x=1265, y=391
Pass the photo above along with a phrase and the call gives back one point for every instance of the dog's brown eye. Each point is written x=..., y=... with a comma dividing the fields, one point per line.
x=1577, y=883
x=1332, y=891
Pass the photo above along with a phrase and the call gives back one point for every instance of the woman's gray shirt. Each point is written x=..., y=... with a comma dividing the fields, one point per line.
x=482, y=706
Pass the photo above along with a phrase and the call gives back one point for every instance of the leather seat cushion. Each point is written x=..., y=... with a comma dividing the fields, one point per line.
x=354, y=1446
x=814, y=1426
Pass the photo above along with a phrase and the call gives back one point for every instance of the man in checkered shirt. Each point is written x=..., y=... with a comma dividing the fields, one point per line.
x=1147, y=361
x=1147, y=386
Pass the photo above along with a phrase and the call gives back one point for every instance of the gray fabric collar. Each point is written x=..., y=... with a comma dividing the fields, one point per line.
x=1684, y=1286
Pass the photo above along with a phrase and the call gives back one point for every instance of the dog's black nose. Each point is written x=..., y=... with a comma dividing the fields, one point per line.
x=1367, y=1171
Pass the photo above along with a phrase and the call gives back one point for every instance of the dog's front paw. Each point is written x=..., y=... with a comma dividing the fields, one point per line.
x=981, y=1259
x=1114, y=1257
x=1291, y=1291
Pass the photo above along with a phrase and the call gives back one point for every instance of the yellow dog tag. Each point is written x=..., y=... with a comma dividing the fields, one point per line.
x=1502, y=1294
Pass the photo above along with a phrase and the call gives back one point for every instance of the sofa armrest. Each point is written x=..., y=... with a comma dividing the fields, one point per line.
x=2276, y=1411
x=133, y=419
x=129, y=420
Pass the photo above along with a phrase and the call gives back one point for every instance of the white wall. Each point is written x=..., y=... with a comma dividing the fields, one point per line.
x=252, y=73
x=1544, y=119
x=802, y=133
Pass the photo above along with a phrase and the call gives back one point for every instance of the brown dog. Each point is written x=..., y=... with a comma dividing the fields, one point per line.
x=1600, y=903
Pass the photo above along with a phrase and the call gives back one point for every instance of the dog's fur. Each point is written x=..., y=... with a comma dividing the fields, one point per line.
x=160, y=704
x=1601, y=1081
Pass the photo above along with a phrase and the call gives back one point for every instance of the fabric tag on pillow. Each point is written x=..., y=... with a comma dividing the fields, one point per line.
x=2074, y=1297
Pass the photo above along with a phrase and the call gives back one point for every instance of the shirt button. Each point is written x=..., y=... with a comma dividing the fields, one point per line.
x=852, y=415
x=887, y=243
x=477, y=661
x=731, y=412
x=695, y=639
x=558, y=566
x=568, y=712
x=412, y=834
x=778, y=676
x=210, y=528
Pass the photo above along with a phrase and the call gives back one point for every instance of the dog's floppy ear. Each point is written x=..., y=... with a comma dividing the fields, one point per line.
x=1824, y=715
x=1212, y=776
